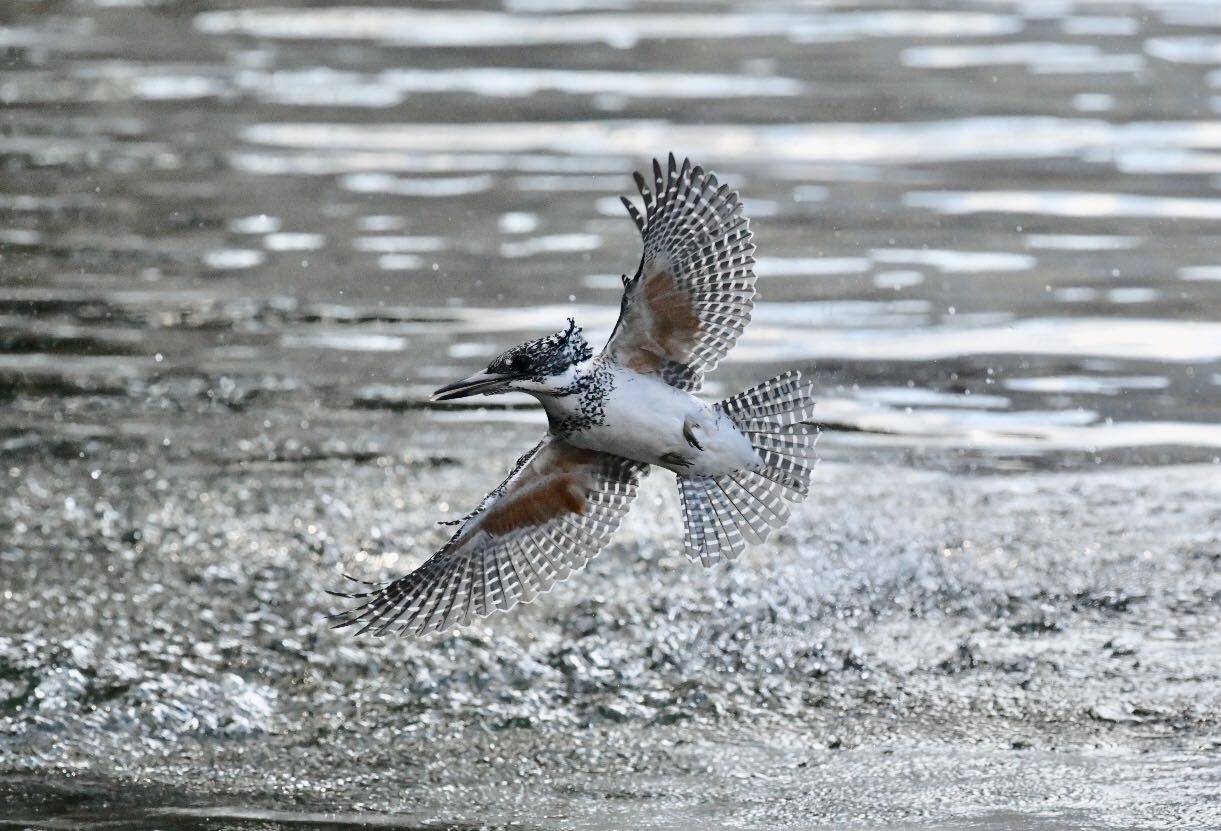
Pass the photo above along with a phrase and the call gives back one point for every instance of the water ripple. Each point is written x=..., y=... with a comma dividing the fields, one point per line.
x=965, y=139
x=417, y=27
x=1132, y=339
x=1066, y=203
x=966, y=210
x=1048, y=58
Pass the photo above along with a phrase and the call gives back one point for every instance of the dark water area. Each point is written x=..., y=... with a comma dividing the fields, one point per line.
x=241, y=243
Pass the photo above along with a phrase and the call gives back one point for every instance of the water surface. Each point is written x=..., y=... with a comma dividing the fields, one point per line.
x=241, y=243
x=303, y=202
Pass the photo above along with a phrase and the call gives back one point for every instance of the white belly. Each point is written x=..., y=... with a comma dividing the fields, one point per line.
x=644, y=420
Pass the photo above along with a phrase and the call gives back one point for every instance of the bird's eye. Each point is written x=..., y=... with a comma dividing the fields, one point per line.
x=519, y=363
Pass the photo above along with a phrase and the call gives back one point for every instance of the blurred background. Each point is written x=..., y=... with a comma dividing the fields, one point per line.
x=241, y=243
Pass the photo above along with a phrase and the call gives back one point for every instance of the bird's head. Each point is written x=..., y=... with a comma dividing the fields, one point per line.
x=543, y=367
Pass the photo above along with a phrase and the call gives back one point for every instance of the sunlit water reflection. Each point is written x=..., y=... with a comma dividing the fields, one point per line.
x=950, y=206
x=236, y=236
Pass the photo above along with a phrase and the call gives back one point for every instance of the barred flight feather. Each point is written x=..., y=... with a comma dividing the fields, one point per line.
x=480, y=571
x=725, y=511
x=694, y=234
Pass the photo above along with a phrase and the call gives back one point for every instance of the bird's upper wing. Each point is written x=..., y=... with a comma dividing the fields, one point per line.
x=693, y=293
x=555, y=511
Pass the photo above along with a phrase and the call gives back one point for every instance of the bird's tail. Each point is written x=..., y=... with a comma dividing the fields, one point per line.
x=725, y=512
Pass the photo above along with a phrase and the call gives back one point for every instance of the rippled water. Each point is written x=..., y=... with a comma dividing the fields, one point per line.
x=338, y=208
x=240, y=244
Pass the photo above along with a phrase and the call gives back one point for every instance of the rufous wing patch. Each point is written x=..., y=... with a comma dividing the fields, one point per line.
x=668, y=324
x=553, y=486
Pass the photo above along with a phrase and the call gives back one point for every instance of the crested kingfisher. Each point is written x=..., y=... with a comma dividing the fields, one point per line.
x=611, y=416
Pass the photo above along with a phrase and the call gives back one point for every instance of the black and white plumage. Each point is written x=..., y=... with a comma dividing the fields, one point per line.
x=740, y=463
x=695, y=288
x=557, y=509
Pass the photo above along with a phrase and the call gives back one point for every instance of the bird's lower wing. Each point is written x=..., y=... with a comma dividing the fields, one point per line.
x=694, y=291
x=555, y=511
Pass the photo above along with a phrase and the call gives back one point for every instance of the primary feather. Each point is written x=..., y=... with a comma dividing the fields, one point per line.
x=694, y=290
x=556, y=510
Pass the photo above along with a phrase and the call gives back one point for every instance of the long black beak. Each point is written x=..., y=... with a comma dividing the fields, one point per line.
x=477, y=383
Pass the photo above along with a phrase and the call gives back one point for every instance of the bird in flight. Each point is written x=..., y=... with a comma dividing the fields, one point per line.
x=612, y=416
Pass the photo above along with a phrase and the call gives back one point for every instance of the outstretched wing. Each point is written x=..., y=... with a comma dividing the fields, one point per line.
x=557, y=509
x=693, y=293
